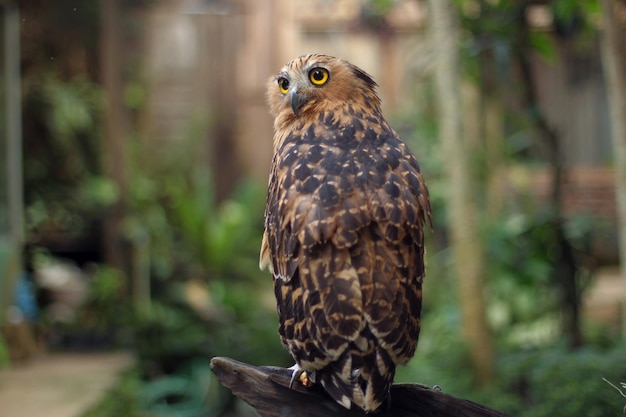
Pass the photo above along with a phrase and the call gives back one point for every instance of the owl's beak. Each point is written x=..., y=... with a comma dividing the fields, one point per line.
x=297, y=100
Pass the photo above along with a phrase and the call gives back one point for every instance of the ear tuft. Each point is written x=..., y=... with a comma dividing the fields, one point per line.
x=363, y=76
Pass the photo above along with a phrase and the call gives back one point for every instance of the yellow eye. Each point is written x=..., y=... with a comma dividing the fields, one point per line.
x=283, y=85
x=318, y=76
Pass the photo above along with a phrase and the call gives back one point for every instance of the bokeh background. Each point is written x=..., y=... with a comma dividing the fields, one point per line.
x=135, y=151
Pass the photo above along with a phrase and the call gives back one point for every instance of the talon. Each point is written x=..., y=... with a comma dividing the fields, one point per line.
x=301, y=376
x=305, y=380
x=297, y=372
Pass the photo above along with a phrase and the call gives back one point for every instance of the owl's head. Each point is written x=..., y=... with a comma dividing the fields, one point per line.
x=315, y=83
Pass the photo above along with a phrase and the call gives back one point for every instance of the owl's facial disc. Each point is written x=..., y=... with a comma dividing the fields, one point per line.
x=302, y=86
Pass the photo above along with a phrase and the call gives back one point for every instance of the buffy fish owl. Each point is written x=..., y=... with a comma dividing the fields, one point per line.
x=344, y=231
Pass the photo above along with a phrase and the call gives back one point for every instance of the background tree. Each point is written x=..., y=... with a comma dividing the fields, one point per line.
x=115, y=159
x=466, y=242
x=612, y=48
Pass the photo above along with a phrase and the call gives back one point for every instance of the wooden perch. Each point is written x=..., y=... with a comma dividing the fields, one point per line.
x=266, y=388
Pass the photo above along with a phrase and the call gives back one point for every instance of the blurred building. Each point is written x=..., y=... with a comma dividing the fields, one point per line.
x=215, y=57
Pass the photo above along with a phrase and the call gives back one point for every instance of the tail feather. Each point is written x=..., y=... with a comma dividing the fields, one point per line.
x=361, y=380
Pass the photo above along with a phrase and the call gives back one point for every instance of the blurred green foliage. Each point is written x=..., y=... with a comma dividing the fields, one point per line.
x=521, y=247
x=102, y=312
x=64, y=190
x=195, y=392
x=559, y=382
x=121, y=400
x=546, y=381
x=4, y=353
x=209, y=297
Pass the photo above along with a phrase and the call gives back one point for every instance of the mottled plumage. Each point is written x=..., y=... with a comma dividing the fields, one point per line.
x=344, y=224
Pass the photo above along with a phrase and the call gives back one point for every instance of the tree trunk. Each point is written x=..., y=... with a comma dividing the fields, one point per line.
x=115, y=136
x=613, y=51
x=466, y=243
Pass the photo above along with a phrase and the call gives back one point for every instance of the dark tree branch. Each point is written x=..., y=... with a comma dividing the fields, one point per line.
x=266, y=388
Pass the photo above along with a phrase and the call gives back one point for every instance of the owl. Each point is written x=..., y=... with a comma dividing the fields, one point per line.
x=344, y=231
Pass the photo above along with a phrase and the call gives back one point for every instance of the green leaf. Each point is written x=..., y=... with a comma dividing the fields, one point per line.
x=542, y=44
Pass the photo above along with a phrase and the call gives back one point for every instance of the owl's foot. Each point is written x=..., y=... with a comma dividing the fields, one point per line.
x=300, y=375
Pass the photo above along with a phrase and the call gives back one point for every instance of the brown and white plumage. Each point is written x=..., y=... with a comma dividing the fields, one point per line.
x=344, y=224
